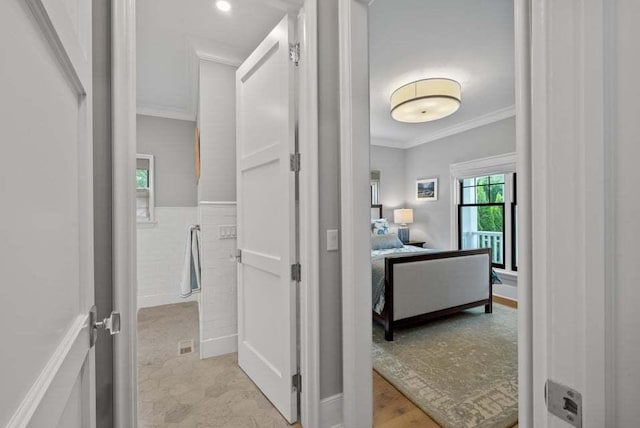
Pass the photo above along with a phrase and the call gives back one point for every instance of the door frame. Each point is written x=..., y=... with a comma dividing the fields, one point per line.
x=124, y=217
x=355, y=211
x=125, y=287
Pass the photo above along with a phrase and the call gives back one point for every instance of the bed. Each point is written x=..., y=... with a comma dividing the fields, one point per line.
x=411, y=285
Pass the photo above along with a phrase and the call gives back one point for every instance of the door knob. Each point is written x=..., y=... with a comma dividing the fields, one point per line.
x=111, y=324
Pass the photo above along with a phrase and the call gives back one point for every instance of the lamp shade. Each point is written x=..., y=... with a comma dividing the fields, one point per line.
x=426, y=100
x=403, y=216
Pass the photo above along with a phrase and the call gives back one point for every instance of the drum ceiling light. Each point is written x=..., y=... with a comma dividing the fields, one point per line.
x=426, y=100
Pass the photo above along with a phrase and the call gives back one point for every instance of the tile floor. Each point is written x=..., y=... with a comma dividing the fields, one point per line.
x=187, y=392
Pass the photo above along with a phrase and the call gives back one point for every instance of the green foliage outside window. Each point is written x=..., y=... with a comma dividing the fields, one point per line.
x=142, y=178
x=490, y=189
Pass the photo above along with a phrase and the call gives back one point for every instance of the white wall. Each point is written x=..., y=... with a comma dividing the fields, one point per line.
x=390, y=163
x=216, y=120
x=171, y=143
x=432, y=219
x=161, y=246
x=161, y=250
x=218, y=299
x=217, y=123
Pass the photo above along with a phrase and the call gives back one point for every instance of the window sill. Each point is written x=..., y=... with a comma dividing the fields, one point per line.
x=510, y=274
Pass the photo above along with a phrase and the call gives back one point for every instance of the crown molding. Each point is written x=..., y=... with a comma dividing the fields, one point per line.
x=477, y=122
x=220, y=59
x=385, y=142
x=288, y=6
x=165, y=112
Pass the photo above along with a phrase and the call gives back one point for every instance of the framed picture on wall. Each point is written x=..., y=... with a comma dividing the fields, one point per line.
x=427, y=189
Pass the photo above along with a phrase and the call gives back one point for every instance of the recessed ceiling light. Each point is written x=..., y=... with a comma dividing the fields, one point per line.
x=223, y=5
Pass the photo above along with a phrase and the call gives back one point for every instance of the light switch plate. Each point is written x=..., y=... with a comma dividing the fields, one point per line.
x=332, y=240
x=227, y=231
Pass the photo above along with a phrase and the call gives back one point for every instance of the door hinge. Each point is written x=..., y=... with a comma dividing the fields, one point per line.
x=294, y=162
x=239, y=255
x=296, y=382
x=296, y=272
x=294, y=53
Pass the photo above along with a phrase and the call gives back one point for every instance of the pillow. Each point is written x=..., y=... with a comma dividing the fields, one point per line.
x=379, y=226
x=385, y=242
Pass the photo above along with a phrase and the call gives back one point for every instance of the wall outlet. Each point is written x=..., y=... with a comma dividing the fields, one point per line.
x=227, y=232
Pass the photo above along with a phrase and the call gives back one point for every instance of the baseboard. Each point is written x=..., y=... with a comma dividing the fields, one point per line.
x=331, y=412
x=505, y=301
x=218, y=346
x=164, y=299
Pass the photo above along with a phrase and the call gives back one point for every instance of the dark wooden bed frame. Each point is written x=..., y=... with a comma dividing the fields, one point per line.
x=386, y=317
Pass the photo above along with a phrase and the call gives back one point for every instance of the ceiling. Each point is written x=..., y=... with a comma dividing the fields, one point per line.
x=470, y=41
x=172, y=33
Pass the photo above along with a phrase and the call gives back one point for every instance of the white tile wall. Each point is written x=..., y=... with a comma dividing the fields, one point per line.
x=218, y=300
x=161, y=249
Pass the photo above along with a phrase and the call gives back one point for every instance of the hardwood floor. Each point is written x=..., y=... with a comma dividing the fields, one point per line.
x=391, y=409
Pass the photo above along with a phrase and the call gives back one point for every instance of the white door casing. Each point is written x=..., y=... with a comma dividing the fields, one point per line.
x=46, y=232
x=266, y=218
x=570, y=147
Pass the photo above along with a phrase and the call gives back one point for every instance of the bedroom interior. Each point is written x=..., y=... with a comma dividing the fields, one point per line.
x=443, y=210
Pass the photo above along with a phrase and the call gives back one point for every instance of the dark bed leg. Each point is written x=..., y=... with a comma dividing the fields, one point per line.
x=388, y=332
x=488, y=308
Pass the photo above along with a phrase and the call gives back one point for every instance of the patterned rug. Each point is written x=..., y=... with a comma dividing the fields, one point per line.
x=461, y=370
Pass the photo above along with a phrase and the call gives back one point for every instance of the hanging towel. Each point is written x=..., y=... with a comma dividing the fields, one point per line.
x=191, y=270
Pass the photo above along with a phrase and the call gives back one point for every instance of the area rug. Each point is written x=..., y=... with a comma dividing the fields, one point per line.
x=461, y=370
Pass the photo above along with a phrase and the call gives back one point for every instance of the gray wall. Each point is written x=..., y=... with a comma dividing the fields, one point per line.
x=171, y=143
x=329, y=182
x=217, y=122
x=102, y=205
x=432, y=219
x=390, y=163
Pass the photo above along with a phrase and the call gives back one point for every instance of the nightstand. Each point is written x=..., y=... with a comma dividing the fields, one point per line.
x=416, y=243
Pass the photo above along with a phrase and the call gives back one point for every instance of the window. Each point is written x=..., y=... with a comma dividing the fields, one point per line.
x=481, y=215
x=484, y=213
x=145, y=205
x=375, y=187
x=488, y=217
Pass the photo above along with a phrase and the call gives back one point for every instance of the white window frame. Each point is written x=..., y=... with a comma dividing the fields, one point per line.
x=151, y=190
x=501, y=164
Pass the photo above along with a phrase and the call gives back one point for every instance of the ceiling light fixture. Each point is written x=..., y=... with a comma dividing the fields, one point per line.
x=426, y=100
x=223, y=5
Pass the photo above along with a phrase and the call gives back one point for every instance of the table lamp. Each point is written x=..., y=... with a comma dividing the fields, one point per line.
x=403, y=217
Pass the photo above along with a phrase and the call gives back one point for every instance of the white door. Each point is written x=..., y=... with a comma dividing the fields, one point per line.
x=266, y=219
x=46, y=216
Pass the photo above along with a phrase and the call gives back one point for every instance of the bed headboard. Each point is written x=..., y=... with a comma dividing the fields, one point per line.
x=376, y=212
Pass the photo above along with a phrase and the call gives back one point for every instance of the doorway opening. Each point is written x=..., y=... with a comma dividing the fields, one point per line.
x=206, y=333
x=447, y=298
